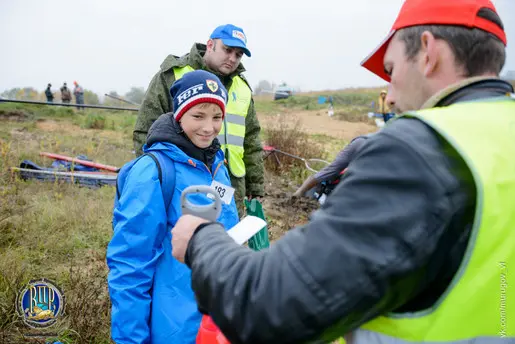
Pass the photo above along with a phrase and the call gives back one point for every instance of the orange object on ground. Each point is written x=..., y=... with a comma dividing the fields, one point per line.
x=79, y=161
x=209, y=333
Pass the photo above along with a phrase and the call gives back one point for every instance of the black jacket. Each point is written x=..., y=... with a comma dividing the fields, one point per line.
x=389, y=238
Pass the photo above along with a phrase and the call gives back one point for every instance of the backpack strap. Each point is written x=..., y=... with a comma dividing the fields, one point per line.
x=159, y=170
x=166, y=174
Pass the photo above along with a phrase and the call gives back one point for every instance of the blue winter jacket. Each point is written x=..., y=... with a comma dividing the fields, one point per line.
x=152, y=300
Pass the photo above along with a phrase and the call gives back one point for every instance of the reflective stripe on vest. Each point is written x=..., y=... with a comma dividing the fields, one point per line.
x=364, y=336
x=479, y=304
x=232, y=134
x=231, y=139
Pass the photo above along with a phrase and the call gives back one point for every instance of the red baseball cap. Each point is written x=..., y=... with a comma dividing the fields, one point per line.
x=431, y=12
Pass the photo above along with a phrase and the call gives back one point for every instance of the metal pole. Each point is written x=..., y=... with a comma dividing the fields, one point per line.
x=123, y=100
x=290, y=155
x=67, y=104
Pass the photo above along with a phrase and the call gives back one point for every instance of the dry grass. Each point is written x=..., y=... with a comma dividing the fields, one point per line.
x=54, y=230
x=289, y=138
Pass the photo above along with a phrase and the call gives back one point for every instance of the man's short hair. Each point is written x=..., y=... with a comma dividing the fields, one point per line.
x=476, y=51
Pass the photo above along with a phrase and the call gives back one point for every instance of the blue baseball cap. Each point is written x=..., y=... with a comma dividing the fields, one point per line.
x=231, y=36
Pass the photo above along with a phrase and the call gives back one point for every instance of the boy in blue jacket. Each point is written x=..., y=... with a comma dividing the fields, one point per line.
x=152, y=300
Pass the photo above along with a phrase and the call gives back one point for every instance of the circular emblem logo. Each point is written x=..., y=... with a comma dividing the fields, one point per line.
x=40, y=303
x=213, y=85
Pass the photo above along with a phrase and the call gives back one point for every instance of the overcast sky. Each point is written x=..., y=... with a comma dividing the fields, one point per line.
x=115, y=44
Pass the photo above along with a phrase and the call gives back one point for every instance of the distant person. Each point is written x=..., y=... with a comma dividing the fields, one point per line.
x=383, y=108
x=78, y=91
x=221, y=55
x=66, y=95
x=331, y=107
x=49, y=95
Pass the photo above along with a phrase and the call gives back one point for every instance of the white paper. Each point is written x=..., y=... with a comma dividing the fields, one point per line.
x=246, y=229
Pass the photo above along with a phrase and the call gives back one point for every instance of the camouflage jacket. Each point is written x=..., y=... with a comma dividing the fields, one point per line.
x=157, y=101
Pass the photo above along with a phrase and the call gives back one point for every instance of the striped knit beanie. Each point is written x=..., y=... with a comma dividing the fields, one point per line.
x=194, y=88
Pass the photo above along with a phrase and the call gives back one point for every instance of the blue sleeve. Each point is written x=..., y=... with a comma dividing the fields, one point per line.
x=140, y=225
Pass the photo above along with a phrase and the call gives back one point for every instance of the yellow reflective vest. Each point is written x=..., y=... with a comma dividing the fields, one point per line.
x=479, y=305
x=232, y=134
x=382, y=106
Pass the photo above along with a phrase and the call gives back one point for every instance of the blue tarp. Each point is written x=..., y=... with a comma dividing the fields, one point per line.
x=61, y=170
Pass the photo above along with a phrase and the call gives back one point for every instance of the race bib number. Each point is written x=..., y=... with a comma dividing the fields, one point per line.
x=225, y=192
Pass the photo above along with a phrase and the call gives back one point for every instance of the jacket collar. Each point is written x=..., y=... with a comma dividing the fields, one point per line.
x=469, y=89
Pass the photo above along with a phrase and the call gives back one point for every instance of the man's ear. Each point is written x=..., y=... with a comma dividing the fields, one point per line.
x=210, y=44
x=430, y=53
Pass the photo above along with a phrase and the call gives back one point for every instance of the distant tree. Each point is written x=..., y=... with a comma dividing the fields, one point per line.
x=509, y=75
x=27, y=93
x=114, y=94
x=108, y=101
x=262, y=87
x=91, y=98
x=10, y=94
x=42, y=96
x=135, y=95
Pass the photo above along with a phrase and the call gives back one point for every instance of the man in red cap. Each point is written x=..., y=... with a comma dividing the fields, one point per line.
x=78, y=91
x=417, y=243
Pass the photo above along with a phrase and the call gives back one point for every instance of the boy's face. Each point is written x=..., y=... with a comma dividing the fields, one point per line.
x=202, y=123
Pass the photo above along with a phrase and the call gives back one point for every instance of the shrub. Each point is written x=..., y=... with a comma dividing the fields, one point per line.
x=292, y=140
x=95, y=122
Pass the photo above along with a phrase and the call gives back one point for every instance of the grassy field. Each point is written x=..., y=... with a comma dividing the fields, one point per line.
x=60, y=231
x=352, y=101
x=54, y=230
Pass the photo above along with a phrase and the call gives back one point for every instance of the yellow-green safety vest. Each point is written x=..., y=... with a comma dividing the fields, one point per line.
x=479, y=305
x=232, y=134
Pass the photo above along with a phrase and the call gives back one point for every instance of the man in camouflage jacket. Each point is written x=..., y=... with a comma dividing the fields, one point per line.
x=224, y=61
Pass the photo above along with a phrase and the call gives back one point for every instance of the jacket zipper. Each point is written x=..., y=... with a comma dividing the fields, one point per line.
x=216, y=170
